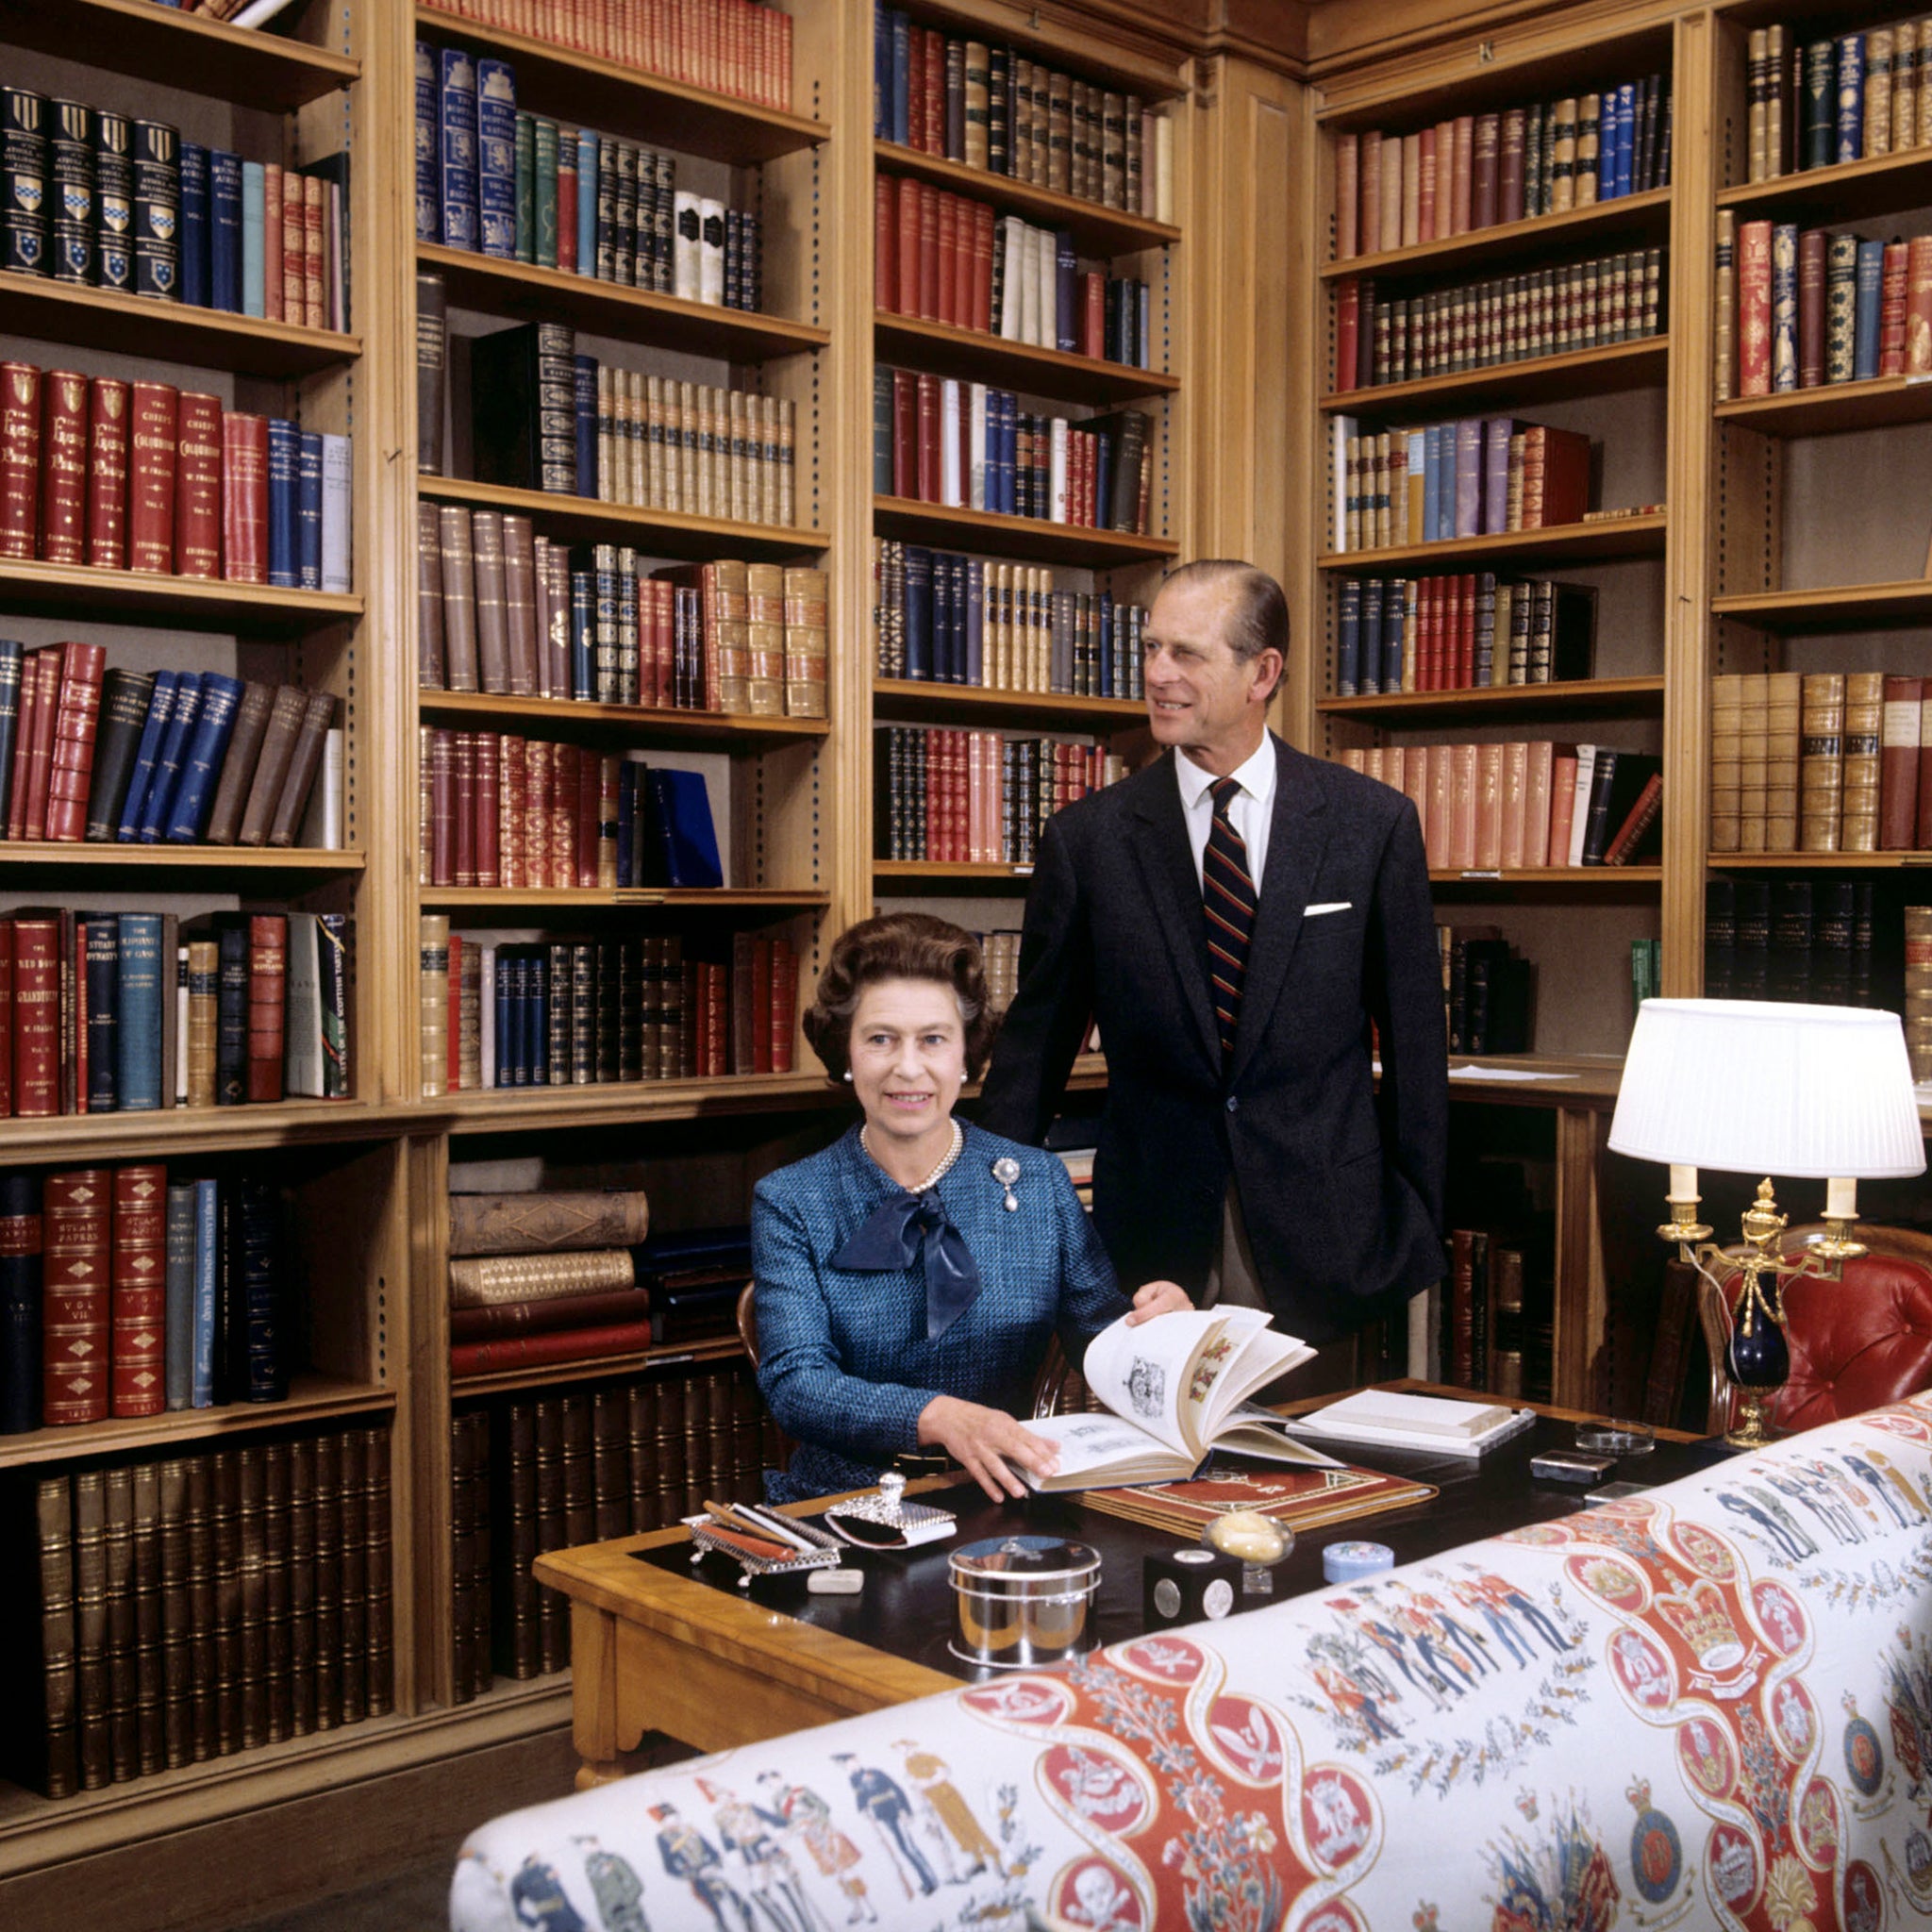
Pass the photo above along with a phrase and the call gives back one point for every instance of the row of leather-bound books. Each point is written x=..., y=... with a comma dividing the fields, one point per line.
x=164, y=1611
x=582, y=1466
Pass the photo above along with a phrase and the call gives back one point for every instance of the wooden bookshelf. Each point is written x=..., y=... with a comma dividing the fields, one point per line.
x=1566, y=881
x=1835, y=407
x=628, y=723
x=626, y=1103
x=1882, y=185
x=1819, y=861
x=668, y=533
x=1633, y=536
x=536, y=899
x=1030, y=540
x=1620, y=366
x=939, y=876
x=719, y=1348
x=1836, y=608
x=115, y=596
x=296, y=866
x=1583, y=697
x=179, y=1132
x=973, y=356
x=904, y=698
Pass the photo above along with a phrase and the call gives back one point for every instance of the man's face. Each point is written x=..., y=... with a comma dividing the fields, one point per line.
x=1200, y=697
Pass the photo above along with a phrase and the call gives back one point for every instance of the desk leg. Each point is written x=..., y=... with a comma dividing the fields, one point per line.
x=593, y=1696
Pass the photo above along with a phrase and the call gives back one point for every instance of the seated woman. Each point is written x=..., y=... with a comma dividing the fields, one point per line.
x=911, y=1278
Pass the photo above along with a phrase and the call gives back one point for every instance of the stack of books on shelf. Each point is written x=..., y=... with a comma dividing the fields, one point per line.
x=502, y=811
x=1469, y=632
x=1482, y=477
x=1547, y=312
x=103, y=201
x=1806, y=940
x=139, y=475
x=1489, y=993
x=165, y=1612
x=518, y=187
x=1800, y=309
x=1505, y=807
x=965, y=446
x=991, y=107
x=977, y=797
x=945, y=258
x=737, y=47
x=503, y=610
x=184, y=757
x=130, y=1013
x=1823, y=761
x=582, y=1466
x=952, y=619
x=1474, y=171
x=582, y=1013
x=1813, y=104
x=123, y=1294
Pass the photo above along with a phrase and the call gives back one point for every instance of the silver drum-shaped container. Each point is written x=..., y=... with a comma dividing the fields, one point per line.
x=1023, y=1601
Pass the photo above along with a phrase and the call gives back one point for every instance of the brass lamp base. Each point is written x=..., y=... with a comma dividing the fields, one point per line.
x=1751, y=1426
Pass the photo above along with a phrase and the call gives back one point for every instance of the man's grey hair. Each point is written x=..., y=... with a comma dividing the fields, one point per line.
x=1258, y=611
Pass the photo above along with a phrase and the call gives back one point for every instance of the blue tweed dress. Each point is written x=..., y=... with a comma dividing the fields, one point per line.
x=845, y=1362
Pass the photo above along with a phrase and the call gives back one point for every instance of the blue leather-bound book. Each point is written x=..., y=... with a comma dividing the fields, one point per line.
x=1870, y=278
x=587, y=201
x=428, y=212
x=942, y=608
x=231, y=1014
x=900, y=111
x=1628, y=100
x=207, y=1259
x=881, y=72
x=1103, y=477
x=12, y=654
x=976, y=621
x=194, y=224
x=101, y=956
x=1849, y=143
x=584, y=402
x=1108, y=644
x=1394, y=634
x=307, y=508
x=254, y=239
x=1369, y=647
x=1066, y=293
x=201, y=759
x=501, y=993
x=686, y=838
x=1008, y=435
x=284, y=485
x=918, y=611
x=168, y=757
x=178, y=1320
x=20, y=1302
x=160, y=709
x=225, y=230
x=457, y=145
x=258, y=1211
x=138, y=1035
x=583, y=634
x=1348, y=639
x=496, y=157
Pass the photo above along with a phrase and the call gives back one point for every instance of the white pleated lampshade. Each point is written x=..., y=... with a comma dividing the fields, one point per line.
x=1769, y=1087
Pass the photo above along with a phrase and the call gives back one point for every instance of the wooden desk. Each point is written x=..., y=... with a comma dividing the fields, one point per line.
x=656, y=1647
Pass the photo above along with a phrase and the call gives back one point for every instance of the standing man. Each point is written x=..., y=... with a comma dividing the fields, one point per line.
x=1234, y=916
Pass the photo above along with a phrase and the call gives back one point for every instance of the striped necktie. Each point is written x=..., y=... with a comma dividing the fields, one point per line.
x=1227, y=897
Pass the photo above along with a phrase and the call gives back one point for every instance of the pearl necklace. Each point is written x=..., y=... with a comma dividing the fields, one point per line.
x=939, y=1172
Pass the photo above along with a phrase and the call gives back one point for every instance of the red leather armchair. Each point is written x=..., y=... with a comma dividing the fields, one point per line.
x=1854, y=1343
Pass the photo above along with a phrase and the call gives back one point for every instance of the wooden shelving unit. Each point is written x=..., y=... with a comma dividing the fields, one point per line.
x=1639, y=364
x=975, y=357
x=1030, y=540
x=1584, y=698
x=671, y=533
x=581, y=718
x=181, y=603
x=1614, y=536
x=916, y=698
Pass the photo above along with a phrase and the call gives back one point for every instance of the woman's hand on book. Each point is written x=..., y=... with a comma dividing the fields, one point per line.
x=1158, y=1298
x=983, y=1442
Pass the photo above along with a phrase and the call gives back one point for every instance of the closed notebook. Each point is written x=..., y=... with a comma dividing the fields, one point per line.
x=1436, y=1425
x=687, y=840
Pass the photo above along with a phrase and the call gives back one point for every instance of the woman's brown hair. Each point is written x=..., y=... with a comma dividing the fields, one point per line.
x=899, y=945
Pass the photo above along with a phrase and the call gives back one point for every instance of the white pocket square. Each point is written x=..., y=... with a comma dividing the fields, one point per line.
x=1328, y=906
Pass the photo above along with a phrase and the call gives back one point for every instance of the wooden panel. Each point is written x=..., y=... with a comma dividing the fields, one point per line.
x=423, y=1458
x=1582, y=1300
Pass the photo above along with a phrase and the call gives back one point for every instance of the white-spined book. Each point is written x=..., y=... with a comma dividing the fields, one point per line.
x=1434, y=1424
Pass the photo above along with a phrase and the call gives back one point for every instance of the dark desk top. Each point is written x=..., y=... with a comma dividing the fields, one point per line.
x=906, y=1606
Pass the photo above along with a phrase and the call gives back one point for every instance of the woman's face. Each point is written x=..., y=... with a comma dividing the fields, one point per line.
x=909, y=1056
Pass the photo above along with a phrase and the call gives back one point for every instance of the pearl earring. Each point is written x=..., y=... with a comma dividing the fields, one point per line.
x=847, y=1075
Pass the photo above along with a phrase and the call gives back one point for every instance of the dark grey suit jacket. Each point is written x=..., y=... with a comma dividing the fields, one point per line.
x=1341, y=1186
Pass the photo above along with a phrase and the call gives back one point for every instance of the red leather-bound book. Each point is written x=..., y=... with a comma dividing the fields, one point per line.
x=78, y=711
x=77, y=1233
x=275, y=272
x=463, y=804
x=198, y=485
x=565, y=759
x=1371, y=224
x=107, y=473
x=20, y=458
x=1560, y=493
x=6, y=1018
x=784, y=1020
x=1092, y=314
x=1348, y=311
x=1461, y=175
x=945, y=299
x=285, y=240
x=1754, y=308
x=906, y=200
x=587, y=816
x=1483, y=171
x=1898, y=763
x=150, y=483
x=64, y=467
x=314, y=223
x=904, y=433
x=1508, y=165
x=1812, y=309
x=717, y=1017
x=268, y=992
x=981, y=304
x=964, y=251
x=534, y=826
x=664, y=639
x=245, y=497
x=488, y=794
x=39, y=746
x=511, y=796
x=137, y=1292
x=928, y=490
x=885, y=244
x=1427, y=177
x=499, y=1321
x=36, y=1015
x=761, y=1006
x=927, y=259
x=932, y=93
x=1347, y=192
x=552, y=1345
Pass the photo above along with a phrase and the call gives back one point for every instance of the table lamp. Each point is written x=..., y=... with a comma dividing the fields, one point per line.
x=1767, y=1088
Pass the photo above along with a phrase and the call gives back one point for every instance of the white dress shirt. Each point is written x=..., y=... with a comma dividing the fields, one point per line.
x=1250, y=814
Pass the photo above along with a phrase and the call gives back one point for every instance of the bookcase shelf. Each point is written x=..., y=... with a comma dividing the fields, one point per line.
x=1821, y=611
x=906, y=698
x=182, y=1130
x=1580, y=1076
x=1645, y=216
x=1846, y=190
x=1639, y=364
x=1635, y=536
x=941, y=876
x=617, y=99
x=563, y=899
x=312, y=1398
x=625, y=1103
x=548, y=294
x=1031, y=540
x=973, y=356
x=671, y=533
x=260, y=862
x=1819, y=861
x=1583, y=697
x=181, y=50
x=1552, y=881
x=711, y=1348
x=1834, y=408
x=1096, y=231
x=175, y=331
x=625, y=723
x=194, y=603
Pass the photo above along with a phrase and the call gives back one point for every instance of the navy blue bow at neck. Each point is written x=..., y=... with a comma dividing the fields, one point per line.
x=894, y=1236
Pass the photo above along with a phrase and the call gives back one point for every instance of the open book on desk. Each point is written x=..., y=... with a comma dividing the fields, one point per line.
x=1177, y=1386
